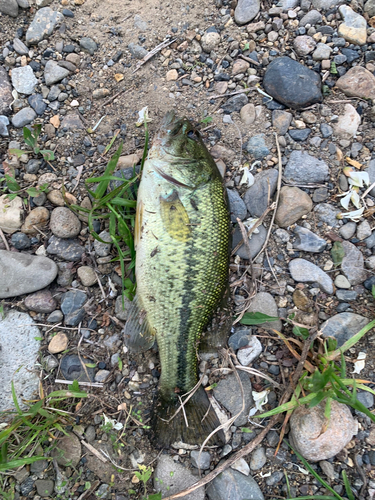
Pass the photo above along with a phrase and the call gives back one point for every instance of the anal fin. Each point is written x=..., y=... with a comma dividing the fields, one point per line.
x=138, y=335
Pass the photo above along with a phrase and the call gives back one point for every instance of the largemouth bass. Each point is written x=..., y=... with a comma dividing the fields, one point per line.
x=182, y=239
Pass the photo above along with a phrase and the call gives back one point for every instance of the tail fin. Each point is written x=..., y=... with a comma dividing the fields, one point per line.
x=200, y=417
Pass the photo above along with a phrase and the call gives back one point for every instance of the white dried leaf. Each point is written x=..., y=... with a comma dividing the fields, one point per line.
x=359, y=178
x=359, y=364
x=346, y=200
x=117, y=426
x=260, y=399
x=354, y=216
x=247, y=177
x=143, y=116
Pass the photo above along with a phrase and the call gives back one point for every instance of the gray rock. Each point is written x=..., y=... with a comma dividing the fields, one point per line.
x=4, y=122
x=343, y=326
x=232, y=485
x=342, y=282
x=235, y=103
x=20, y=241
x=72, y=121
x=370, y=7
x=255, y=242
x=321, y=52
x=122, y=312
x=54, y=73
x=23, y=79
x=258, y=459
x=304, y=271
x=257, y=195
x=354, y=26
x=304, y=44
x=328, y=469
x=42, y=25
x=28, y=485
x=346, y=295
x=265, y=303
x=364, y=230
x=23, y=273
x=23, y=117
x=320, y=194
x=326, y=130
x=71, y=306
x=371, y=173
x=257, y=146
x=274, y=478
x=236, y=205
x=9, y=7
x=72, y=369
x=307, y=241
x=353, y=264
x=68, y=451
x=246, y=355
x=366, y=398
x=312, y=17
x=20, y=47
x=228, y=393
x=281, y=120
x=37, y=103
x=299, y=135
x=55, y=316
x=348, y=230
x=325, y=4
x=6, y=97
x=246, y=10
x=101, y=376
x=200, y=460
x=303, y=168
x=66, y=249
x=139, y=23
x=171, y=477
x=24, y=4
x=88, y=45
x=41, y=301
x=328, y=214
x=137, y=51
x=18, y=355
x=64, y=223
x=44, y=487
x=38, y=467
x=239, y=339
x=103, y=249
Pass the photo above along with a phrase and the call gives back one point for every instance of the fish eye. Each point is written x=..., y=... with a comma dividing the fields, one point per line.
x=192, y=134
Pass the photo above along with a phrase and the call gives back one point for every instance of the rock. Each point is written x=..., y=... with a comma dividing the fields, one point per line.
x=304, y=44
x=44, y=487
x=88, y=45
x=23, y=117
x=299, y=135
x=171, y=75
x=66, y=249
x=72, y=122
x=343, y=326
x=71, y=306
x=342, y=282
x=210, y=40
x=137, y=51
x=357, y=82
x=4, y=122
x=304, y=271
x=236, y=205
x=101, y=376
x=23, y=273
x=321, y=52
x=246, y=10
x=256, y=196
x=37, y=103
x=281, y=120
x=64, y=223
x=364, y=230
x=307, y=241
x=235, y=103
x=370, y=7
x=42, y=25
x=250, y=352
x=265, y=303
x=307, y=424
x=222, y=152
x=103, y=249
x=255, y=241
x=54, y=73
x=258, y=459
x=19, y=351
x=303, y=168
x=41, y=302
x=240, y=66
x=257, y=147
x=366, y=398
x=68, y=451
x=55, y=317
x=87, y=275
x=353, y=264
x=371, y=173
x=20, y=47
x=248, y=114
x=56, y=198
x=10, y=214
x=9, y=7
x=312, y=17
x=23, y=79
x=292, y=84
x=43, y=3
x=232, y=485
x=20, y=241
x=354, y=27
x=38, y=217
x=240, y=339
x=327, y=213
x=200, y=460
x=228, y=393
x=122, y=308
x=348, y=123
x=6, y=97
x=293, y=204
x=301, y=301
x=72, y=369
x=171, y=477
x=58, y=343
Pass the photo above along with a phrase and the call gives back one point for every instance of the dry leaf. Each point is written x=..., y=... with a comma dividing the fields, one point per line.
x=353, y=163
x=105, y=320
x=121, y=407
x=78, y=406
x=55, y=120
x=119, y=77
x=339, y=154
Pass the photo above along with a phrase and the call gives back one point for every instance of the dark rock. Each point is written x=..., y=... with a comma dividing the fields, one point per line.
x=239, y=339
x=37, y=103
x=228, y=394
x=71, y=306
x=20, y=241
x=72, y=369
x=303, y=168
x=232, y=485
x=307, y=241
x=351, y=55
x=255, y=242
x=235, y=103
x=346, y=295
x=236, y=205
x=257, y=147
x=88, y=45
x=343, y=326
x=67, y=13
x=299, y=135
x=256, y=196
x=44, y=487
x=27, y=486
x=67, y=249
x=291, y=83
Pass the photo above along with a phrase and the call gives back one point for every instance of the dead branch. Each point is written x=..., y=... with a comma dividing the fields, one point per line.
x=152, y=52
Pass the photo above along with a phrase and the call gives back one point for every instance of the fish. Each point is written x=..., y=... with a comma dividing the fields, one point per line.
x=182, y=238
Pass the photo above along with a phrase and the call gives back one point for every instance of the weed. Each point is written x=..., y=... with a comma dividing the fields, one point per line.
x=31, y=140
x=206, y=120
x=15, y=189
x=144, y=475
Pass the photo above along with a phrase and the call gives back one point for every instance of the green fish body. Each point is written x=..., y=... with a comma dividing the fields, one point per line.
x=182, y=240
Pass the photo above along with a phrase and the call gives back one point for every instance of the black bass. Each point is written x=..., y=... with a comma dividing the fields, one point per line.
x=182, y=239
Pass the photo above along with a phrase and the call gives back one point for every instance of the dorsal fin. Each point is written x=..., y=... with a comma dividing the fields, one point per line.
x=138, y=335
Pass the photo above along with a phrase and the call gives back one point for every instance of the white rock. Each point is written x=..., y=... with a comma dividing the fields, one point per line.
x=348, y=123
x=10, y=214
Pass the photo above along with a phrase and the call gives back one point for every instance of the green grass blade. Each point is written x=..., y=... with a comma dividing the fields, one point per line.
x=352, y=341
x=347, y=486
x=102, y=188
x=13, y=464
x=287, y=406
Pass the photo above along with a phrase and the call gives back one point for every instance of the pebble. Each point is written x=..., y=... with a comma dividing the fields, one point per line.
x=233, y=485
x=364, y=230
x=42, y=25
x=306, y=436
x=312, y=17
x=321, y=52
x=103, y=249
x=357, y=82
x=23, y=79
x=71, y=306
x=59, y=343
x=137, y=51
x=257, y=147
x=255, y=242
x=246, y=355
x=210, y=40
x=4, y=122
x=72, y=369
x=54, y=73
x=20, y=241
x=248, y=114
x=55, y=316
x=228, y=394
x=66, y=249
x=200, y=460
x=256, y=196
x=9, y=7
x=304, y=271
x=304, y=168
x=171, y=477
x=342, y=282
x=265, y=303
x=6, y=97
x=292, y=84
x=281, y=120
x=307, y=241
x=37, y=103
x=237, y=206
x=348, y=123
x=88, y=44
x=353, y=264
x=327, y=213
x=258, y=459
x=68, y=453
x=11, y=212
x=354, y=27
x=41, y=301
x=293, y=204
x=44, y=487
x=64, y=223
x=101, y=376
x=37, y=218
x=23, y=117
x=304, y=44
x=235, y=103
x=343, y=326
x=23, y=273
x=87, y=275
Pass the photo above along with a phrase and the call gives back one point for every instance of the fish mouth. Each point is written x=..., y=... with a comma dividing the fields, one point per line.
x=170, y=128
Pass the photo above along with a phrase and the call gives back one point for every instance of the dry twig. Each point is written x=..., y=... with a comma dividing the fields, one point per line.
x=152, y=52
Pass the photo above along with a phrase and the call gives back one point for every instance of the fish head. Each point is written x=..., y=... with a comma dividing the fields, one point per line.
x=180, y=153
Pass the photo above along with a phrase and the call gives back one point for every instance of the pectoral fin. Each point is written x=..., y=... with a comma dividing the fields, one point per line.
x=138, y=335
x=175, y=218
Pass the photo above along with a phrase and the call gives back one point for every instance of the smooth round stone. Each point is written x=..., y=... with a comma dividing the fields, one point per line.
x=342, y=282
x=41, y=302
x=306, y=272
x=102, y=375
x=103, y=249
x=258, y=459
x=20, y=241
x=236, y=205
x=56, y=198
x=72, y=369
x=346, y=295
x=87, y=275
x=23, y=79
x=246, y=10
x=348, y=230
x=37, y=218
x=239, y=339
x=200, y=460
x=64, y=223
x=23, y=117
x=248, y=354
x=58, y=343
x=55, y=316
